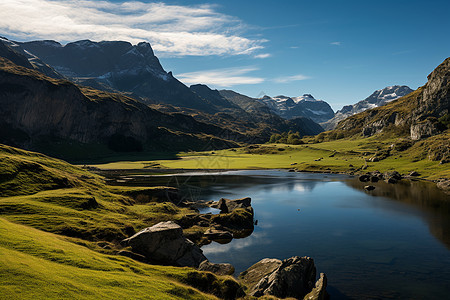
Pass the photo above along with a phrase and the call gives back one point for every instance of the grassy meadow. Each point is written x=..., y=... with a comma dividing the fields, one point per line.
x=60, y=228
x=343, y=155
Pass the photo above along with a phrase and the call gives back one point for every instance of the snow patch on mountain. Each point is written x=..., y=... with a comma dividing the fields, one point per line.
x=301, y=106
x=378, y=98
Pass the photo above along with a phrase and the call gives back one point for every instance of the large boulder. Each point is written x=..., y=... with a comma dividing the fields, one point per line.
x=292, y=277
x=218, y=269
x=164, y=243
x=258, y=271
x=227, y=205
x=392, y=176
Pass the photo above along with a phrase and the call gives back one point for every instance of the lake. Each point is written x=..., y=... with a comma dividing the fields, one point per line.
x=390, y=243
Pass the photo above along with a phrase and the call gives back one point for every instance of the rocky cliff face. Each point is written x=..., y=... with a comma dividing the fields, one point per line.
x=38, y=111
x=416, y=115
x=377, y=99
x=303, y=106
x=15, y=53
x=117, y=65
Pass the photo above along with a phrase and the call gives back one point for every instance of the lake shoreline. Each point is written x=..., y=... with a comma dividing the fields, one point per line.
x=175, y=171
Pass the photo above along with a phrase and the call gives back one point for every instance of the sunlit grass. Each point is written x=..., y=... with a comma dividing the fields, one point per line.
x=39, y=265
x=342, y=155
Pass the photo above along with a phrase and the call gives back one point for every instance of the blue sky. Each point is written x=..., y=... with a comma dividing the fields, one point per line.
x=338, y=51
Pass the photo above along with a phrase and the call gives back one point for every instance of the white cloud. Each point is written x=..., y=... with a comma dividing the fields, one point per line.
x=263, y=55
x=287, y=79
x=336, y=43
x=221, y=77
x=171, y=29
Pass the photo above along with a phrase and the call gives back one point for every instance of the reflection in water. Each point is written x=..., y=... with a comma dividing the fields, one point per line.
x=373, y=245
x=432, y=204
x=237, y=244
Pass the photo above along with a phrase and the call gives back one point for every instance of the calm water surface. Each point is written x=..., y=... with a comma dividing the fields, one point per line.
x=391, y=243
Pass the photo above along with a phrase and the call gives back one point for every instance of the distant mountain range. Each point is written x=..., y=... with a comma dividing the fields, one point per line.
x=116, y=96
x=377, y=99
x=107, y=69
x=304, y=106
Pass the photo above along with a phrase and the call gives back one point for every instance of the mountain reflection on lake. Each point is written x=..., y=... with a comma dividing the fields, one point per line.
x=392, y=242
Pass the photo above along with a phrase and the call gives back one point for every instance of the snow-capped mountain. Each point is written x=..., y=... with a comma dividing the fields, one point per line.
x=378, y=98
x=302, y=106
x=117, y=66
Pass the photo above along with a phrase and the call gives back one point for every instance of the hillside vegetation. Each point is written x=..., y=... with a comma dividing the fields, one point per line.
x=59, y=230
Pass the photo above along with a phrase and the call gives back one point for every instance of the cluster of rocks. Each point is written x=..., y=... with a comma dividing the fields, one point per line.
x=165, y=244
x=293, y=277
x=388, y=177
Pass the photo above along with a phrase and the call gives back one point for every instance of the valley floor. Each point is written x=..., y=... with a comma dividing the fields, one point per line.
x=341, y=156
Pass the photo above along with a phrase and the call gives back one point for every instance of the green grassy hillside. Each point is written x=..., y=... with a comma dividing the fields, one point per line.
x=59, y=230
x=40, y=265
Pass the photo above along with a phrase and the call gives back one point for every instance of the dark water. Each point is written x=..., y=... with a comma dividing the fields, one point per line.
x=391, y=243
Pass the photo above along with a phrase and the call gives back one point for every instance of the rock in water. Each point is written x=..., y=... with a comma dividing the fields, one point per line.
x=364, y=178
x=164, y=243
x=227, y=205
x=294, y=277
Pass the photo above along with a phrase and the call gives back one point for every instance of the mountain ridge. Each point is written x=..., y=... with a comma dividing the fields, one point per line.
x=376, y=99
x=39, y=112
x=303, y=106
x=135, y=71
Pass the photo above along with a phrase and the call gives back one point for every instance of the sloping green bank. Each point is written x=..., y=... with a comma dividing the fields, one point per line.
x=40, y=265
x=60, y=228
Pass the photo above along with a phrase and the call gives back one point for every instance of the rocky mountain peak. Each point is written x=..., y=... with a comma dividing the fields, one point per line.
x=376, y=99
x=145, y=48
x=83, y=44
x=302, y=106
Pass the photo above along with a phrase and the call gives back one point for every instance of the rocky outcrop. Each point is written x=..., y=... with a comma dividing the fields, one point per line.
x=227, y=205
x=218, y=269
x=423, y=130
x=293, y=277
x=319, y=291
x=235, y=215
x=165, y=244
x=258, y=271
x=435, y=98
